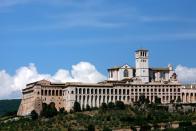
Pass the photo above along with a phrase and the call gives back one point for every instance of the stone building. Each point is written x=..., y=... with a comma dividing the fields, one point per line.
x=124, y=83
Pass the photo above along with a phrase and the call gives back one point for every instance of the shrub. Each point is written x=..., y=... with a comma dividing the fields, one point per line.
x=157, y=100
x=34, y=115
x=49, y=110
x=77, y=107
x=185, y=124
x=62, y=110
x=111, y=105
x=88, y=108
x=107, y=129
x=103, y=106
x=91, y=127
x=120, y=105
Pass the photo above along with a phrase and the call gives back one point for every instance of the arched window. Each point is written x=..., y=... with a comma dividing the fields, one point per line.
x=57, y=92
x=126, y=73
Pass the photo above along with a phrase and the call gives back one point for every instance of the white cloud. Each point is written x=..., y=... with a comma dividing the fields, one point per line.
x=186, y=74
x=81, y=72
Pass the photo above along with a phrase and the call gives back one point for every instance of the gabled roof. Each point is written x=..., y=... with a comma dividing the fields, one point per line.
x=118, y=67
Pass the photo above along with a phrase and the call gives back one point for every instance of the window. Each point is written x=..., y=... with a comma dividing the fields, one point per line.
x=126, y=73
x=111, y=91
x=119, y=91
x=123, y=91
x=115, y=91
x=46, y=93
x=108, y=91
x=99, y=91
x=111, y=74
x=49, y=92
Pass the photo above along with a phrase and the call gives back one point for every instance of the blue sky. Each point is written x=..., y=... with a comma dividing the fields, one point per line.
x=55, y=34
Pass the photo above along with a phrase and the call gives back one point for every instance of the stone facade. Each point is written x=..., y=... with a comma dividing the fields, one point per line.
x=124, y=83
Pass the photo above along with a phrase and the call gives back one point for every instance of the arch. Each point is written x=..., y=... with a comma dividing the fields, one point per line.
x=95, y=101
x=84, y=91
x=108, y=91
x=46, y=92
x=126, y=73
x=99, y=91
x=57, y=92
x=49, y=93
x=76, y=90
x=123, y=91
x=91, y=91
x=103, y=91
x=115, y=91
x=108, y=99
x=60, y=92
x=119, y=91
x=111, y=91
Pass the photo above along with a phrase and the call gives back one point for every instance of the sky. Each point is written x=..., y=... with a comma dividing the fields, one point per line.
x=77, y=40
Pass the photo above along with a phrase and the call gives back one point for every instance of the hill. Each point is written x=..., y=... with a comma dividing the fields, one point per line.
x=7, y=106
x=107, y=118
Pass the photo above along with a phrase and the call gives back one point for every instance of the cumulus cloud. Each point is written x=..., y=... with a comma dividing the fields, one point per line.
x=10, y=85
x=186, y=74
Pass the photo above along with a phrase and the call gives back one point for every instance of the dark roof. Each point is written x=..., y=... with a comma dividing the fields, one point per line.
x=160, y=69
x=114, y=68
x=118, y=67
x=141, y=49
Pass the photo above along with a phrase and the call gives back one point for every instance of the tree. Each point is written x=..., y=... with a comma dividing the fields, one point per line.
x=142, y=99
x=104, y=106
x=77, y=107
x=111, y=105
x=91, y=127
x=106, y=129
x=157, y=100
x=34, y=115
x=49, y=110
x=62, y=110
x=178, y=99
x=120, y=105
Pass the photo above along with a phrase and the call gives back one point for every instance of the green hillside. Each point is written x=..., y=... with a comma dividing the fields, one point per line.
x=111, y=116
x=8, y=106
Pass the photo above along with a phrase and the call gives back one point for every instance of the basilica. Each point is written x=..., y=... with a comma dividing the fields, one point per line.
x=125, y=83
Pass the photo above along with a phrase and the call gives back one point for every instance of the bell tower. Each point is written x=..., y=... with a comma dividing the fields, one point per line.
x=142, y=65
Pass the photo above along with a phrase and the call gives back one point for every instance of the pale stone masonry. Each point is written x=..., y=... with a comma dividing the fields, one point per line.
x=124, y=83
